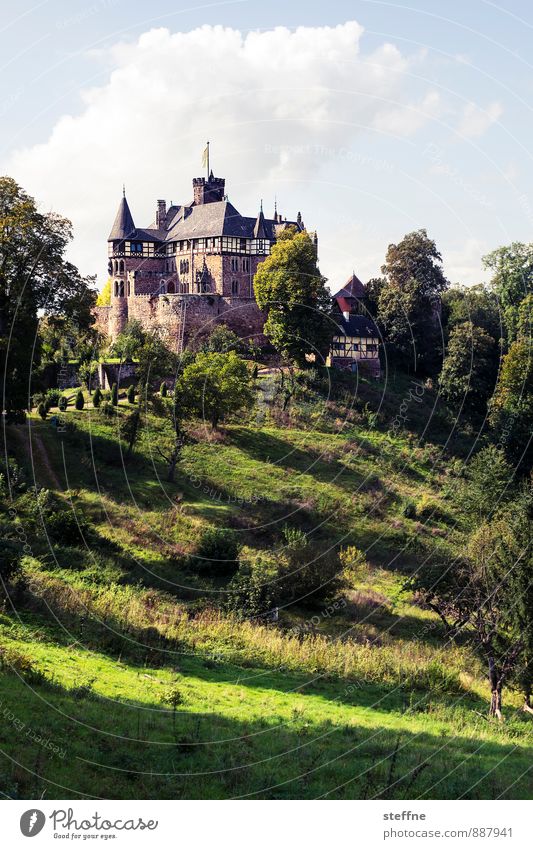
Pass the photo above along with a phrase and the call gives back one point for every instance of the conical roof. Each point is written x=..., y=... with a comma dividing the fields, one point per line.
x=353, y=288
x=259, y=228
x=123, y=224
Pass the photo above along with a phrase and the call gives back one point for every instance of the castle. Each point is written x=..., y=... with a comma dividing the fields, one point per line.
x=192, y=268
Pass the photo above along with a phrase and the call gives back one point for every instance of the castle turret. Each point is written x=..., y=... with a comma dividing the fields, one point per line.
x=259, y=228
x=123, y=224
x=208, y=191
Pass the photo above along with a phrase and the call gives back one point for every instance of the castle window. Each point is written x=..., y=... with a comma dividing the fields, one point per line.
x=121, y=267
x=129, y=288
x=234, y=263
x=121, y=289
x=136, y=247
x=243, y=244
x=234, y=287
x=116, y=288
x=246, y=264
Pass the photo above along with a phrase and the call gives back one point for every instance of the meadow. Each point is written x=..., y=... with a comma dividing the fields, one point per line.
x=124, y=674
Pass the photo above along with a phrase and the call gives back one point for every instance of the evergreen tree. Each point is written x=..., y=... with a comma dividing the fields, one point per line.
x=114, y=395
x=80, y=400
x=97, y=397
x=131, y=394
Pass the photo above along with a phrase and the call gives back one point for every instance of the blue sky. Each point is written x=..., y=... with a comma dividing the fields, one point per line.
x=372, y=118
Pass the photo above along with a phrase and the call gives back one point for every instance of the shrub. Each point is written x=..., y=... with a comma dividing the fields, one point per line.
x=10, y=555
x=131, y=394
x=163, y=390
x=97, y=397
x=80, y=400
x=253, y=590
x=63, y=403
x=61, y=523
x=409, y=509
x=41, y=409
x=15, y=473
x=114, y=395
x=107, y=409
x=216, y=553
x=51, y=399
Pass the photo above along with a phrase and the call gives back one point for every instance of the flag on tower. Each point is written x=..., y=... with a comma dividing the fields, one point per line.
x=205, y=157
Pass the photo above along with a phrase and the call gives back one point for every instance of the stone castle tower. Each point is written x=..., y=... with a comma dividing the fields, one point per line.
x=191, y=268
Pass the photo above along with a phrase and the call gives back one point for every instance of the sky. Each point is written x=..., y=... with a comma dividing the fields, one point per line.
x=372, y=118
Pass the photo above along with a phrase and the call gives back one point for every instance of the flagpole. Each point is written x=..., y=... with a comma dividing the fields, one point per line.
x=208, y=160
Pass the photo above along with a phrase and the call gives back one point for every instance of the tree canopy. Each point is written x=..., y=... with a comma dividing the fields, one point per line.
x=409, y=301
x=290, y=288
x=214, y=386
x=35, y=277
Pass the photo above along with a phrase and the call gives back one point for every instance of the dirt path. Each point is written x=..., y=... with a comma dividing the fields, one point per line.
x=37, y=455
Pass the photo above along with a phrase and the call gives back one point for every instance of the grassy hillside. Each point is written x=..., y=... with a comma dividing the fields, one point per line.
x=123, y=674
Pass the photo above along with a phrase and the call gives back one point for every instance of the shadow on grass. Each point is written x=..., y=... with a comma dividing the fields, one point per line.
x=117, y=750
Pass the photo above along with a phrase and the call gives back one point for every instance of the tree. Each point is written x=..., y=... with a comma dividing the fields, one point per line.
x=488, y=484
x=163, y=390
x=476, y=597
x=470, y=368
x=154, y=360
x=214, y=386
x=80, y=401
x=512, y=279
x=409, y=301
x=41, y=409
x=475, y=304
x=104, y=297
x=34, y=278
x=511, y=409
x=131, y=394
x=114, y=395
x=290, y=288
x=63, y=403
x=97, y=397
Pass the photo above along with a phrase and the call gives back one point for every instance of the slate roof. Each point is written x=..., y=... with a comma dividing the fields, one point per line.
x=357, y=326
x=219, y=218
x=353, y=288
x=123, y=225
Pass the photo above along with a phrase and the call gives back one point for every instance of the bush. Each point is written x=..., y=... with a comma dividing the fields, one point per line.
x=16, y=475
x=163, y=390
x=10, y=556
x=253, y=590
x=114, y=395
x=409, y=509
x=80, y=400
x=131, y=394
x=217, y=552
x=97, y=397
x=107, y=409
x=51, y=399
x=63, y=403
x=41, y=409
x=61, y=523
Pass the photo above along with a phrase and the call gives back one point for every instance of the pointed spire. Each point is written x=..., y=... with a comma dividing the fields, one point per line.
x=123, y=224
x=275, y=207
x=259, y=227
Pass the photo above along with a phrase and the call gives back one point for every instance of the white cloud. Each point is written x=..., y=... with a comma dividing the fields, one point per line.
x=271, y=103
x=463, y=263
x=476, y=121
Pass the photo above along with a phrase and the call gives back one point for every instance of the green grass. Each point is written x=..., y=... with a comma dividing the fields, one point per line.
x=369, y=702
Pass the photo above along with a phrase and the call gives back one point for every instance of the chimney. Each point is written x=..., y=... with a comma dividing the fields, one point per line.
x=161, y=214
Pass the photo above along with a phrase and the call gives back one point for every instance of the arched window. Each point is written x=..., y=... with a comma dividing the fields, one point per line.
x=170, y=288
x=234, y=287
x=116, y=288
x=162, y=287
x=121, y=267
x=129, y=288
